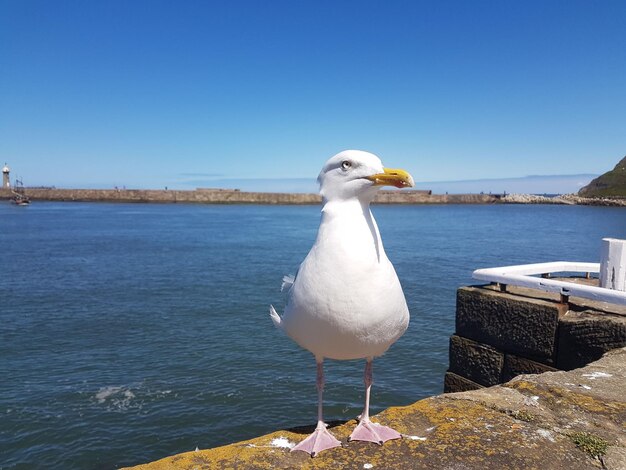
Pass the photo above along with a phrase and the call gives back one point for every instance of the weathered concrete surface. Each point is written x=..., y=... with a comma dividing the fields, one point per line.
x=531, y=423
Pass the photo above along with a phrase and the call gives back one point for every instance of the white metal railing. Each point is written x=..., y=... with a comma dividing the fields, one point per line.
x=525, y=276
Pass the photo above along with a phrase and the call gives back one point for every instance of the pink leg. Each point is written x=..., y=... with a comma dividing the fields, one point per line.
x=367, y=430
x=321, y=439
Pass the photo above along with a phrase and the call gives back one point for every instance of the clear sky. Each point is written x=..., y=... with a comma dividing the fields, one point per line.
x=152, y=93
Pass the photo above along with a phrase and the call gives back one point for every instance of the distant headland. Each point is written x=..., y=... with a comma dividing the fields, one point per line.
x=610, y=184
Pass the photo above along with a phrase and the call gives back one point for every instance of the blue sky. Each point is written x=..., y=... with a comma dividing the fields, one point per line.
x=148, y=94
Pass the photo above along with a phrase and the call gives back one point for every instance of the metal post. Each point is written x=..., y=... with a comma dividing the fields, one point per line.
x=613, y=264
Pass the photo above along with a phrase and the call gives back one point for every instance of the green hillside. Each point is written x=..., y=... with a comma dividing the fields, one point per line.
x=610, y=184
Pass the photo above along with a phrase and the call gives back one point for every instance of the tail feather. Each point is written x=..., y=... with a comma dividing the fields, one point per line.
x=278, y=322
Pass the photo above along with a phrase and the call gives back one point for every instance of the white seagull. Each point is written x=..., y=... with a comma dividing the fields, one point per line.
x=346, y=301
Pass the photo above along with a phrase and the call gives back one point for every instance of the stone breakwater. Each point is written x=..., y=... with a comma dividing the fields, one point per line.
x=563, y=199
x=232, y=196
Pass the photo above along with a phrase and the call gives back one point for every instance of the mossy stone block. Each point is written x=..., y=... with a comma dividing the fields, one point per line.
x=455, y=383
x=478, y=362
x=585, y=336
x=511, y=323
x=515, y=365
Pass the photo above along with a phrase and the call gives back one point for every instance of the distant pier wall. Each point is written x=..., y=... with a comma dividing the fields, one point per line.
x=232, y=196
x=500, y=335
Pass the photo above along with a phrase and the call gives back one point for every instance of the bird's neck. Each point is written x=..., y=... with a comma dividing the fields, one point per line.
x=345, y=208
x=350, y=223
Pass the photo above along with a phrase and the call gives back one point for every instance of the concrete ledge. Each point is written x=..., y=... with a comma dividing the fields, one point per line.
x=555, y=420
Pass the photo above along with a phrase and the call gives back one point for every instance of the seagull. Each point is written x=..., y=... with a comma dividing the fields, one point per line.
x=346, y=301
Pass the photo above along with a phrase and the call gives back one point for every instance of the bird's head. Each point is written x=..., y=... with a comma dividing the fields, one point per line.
x=357, y=174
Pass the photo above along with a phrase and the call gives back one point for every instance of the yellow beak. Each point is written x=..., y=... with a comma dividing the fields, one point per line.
x=393, y=177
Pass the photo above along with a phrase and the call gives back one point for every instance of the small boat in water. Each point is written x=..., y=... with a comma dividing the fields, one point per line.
x=19, y=194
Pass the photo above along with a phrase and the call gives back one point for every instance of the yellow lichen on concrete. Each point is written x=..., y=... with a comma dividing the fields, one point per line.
x=435, y=430
x=230, y=456
x=561, y=396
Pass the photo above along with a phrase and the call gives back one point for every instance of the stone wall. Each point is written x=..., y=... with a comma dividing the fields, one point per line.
x=500, y=335
x=232, y=196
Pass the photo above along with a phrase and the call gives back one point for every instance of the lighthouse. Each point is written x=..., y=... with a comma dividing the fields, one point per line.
x=6, y=182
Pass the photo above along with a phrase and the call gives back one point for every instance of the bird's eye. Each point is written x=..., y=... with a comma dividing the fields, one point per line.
x=346, y=165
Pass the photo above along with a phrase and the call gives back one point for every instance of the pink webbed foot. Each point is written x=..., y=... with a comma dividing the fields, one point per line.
x=321, y=439
x=373, y=432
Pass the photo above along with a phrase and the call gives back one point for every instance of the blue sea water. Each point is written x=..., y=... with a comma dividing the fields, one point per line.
x=131, y=332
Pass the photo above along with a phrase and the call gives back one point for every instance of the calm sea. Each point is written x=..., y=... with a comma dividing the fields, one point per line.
x=133, y=332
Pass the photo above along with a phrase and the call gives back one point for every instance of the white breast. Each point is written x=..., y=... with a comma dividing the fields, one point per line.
x=346, y=301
